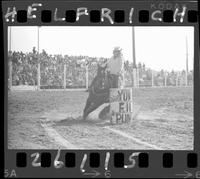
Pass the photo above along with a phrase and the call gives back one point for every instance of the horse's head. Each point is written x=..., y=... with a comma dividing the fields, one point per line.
x=102, y=78
x=101, y=71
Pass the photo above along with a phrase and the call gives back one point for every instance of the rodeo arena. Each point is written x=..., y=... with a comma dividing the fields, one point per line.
x=84, y=102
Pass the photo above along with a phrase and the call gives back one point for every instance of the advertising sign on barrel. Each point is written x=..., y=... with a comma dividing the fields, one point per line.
x=121, y=105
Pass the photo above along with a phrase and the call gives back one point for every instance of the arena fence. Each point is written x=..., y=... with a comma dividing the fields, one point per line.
x=77, y=72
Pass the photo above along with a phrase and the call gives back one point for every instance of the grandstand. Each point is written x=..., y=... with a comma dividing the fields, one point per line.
x=77, y=72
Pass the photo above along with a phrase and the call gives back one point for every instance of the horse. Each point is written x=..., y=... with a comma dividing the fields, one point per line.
x=98, y=91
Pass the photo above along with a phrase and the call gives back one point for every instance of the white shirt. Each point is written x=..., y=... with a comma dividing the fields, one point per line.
x=116, y=65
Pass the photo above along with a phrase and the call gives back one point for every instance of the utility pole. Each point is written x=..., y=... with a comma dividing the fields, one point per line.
x=10, y=62
x=186, y=73
x=10, y=38
x=135, y=81
x=38, y=69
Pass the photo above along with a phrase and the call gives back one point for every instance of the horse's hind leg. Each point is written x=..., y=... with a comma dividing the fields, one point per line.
x=104, y=112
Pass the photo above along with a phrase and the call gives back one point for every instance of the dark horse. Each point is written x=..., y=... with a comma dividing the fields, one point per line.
x=98, y=91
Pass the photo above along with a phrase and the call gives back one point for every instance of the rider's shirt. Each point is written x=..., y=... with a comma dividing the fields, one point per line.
x=115, y=65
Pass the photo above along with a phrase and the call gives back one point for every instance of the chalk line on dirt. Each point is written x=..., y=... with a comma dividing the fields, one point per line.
x=57, y=137
x=133, y=138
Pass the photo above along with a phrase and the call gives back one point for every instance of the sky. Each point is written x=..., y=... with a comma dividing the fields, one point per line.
x=158, y=47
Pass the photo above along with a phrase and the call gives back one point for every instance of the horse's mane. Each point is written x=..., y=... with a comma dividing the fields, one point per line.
x=93, y=85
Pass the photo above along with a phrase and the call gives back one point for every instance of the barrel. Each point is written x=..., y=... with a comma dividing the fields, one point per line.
x=121, y=105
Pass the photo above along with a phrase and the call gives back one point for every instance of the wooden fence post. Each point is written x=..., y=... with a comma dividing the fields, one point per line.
x=165, y=78
x=38, y=75
x=186, y=78
x=138, y=78
x=177, y=77
x=135, y=77
x=10, y=74
x=64, y=77
x=87, y=77
x=152, y=78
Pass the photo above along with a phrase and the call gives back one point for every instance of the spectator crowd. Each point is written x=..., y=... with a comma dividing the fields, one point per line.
x=25, y=71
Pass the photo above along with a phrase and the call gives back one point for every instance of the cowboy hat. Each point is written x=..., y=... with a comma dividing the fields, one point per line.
x=117, y=49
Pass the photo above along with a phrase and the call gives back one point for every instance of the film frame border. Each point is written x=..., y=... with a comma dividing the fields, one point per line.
x=177, y=156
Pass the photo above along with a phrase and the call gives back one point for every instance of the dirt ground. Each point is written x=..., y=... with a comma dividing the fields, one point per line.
x=52, y=119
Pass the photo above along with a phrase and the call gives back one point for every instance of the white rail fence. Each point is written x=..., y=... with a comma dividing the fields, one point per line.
x=43, y=71
x=65, y=77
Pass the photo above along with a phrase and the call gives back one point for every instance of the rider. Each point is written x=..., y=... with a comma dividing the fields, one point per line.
x=115, y=67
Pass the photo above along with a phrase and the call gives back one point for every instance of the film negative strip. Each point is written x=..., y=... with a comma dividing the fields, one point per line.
x=101, y=89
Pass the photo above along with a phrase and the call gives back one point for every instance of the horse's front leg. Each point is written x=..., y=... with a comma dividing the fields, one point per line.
x=92, y=105
x=87, y=105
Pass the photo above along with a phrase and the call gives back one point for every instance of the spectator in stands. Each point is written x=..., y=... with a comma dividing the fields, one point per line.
x=25, y=65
